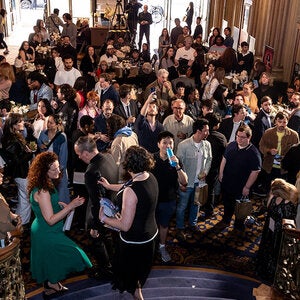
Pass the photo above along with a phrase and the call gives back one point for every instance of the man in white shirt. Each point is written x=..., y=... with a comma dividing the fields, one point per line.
x=68, y=75
x=186, y=52
x=109, y=56
x=179, y=124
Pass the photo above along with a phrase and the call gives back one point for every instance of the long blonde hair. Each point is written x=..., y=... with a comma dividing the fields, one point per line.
x=7, y=72
x=285, y=190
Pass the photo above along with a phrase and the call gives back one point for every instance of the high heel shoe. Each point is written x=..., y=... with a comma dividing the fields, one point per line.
x=50, y=290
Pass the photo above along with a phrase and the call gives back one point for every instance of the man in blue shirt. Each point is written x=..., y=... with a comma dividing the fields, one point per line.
x=239, y=169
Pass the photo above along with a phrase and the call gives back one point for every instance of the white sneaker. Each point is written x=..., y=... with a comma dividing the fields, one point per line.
x=165, y=256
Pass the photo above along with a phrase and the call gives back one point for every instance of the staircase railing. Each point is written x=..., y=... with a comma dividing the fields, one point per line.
x=287, y=278
x=11, y=279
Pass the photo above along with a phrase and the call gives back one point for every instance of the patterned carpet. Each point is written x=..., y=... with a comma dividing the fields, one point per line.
x=224, y=249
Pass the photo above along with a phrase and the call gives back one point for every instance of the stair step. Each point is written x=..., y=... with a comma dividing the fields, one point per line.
x=172, y=284
x=182, y=292
x=192, y=281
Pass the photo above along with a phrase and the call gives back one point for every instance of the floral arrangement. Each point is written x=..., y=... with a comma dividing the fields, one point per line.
x=125, y=64
x=42, y=49
x=18, y=108
x=123, y=52
x=55, y=38
x=120, y=54
x=125, y=49
x=213, y=56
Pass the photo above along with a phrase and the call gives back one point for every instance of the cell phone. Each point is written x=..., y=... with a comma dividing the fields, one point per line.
x=152, y=90
x=255, y=83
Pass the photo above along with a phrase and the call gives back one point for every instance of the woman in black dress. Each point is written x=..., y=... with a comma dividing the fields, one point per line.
x=88, y=67
x=136, y=222
x=282, y=204
x=189, y=15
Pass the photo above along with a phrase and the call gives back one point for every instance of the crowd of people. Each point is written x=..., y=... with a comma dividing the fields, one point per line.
x=108, y=136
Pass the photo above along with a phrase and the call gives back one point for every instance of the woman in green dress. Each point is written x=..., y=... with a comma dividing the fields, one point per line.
x=53, y=254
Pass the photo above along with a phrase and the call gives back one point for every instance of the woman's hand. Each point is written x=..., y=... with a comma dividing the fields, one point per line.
x=73, y=204
x=78, y=201
x=94, y=233
x=103, y=181
x=27, y=149
x=203, y=78
x=41, y=116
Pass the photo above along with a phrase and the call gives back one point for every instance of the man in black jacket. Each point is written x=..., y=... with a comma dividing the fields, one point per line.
x=99, y=165
x=262, y=121
x=145, y=20
x=218, y=145
x=230, y=126
x=294, y=119
x=127, y=108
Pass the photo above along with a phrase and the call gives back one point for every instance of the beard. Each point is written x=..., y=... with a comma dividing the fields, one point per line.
x=293, y=105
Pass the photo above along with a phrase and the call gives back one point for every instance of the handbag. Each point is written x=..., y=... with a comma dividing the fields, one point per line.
x=243, y=208
x=184, y=18
x=201, y=194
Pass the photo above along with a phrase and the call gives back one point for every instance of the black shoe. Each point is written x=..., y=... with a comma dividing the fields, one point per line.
x=180, y=235
x=209, y=214
x=101, y=273
x=222, y=225
x=239, y=226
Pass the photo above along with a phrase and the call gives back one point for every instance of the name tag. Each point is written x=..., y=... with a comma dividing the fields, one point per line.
x=272, y=225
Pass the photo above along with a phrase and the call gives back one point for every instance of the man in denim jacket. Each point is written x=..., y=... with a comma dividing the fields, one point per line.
x=195, y=155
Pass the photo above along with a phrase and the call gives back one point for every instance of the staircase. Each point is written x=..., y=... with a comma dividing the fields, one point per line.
x=173, y=283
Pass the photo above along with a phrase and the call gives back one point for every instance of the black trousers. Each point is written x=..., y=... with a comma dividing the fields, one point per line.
x=2, y=42
x=229, y=206
x=144, y=30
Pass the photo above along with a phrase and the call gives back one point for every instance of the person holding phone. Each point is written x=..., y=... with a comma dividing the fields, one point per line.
x=163, y=89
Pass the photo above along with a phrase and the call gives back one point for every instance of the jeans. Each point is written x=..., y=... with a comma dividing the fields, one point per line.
x=23, y=207
x=187, y=198
x=63, y=191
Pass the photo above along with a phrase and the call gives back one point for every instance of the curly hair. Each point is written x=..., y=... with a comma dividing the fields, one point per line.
x=37, y=174
x=114, y=123
x=138, y=159
x=93, y=95
x=68, y=92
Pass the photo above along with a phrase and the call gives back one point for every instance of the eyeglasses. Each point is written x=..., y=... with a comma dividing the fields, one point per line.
x=241, y=137
x=179, y=108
